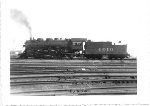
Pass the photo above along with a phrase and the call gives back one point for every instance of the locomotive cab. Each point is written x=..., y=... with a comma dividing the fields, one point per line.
x=78, y=46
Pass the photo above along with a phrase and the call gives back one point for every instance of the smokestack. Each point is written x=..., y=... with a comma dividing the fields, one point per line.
x=19, y=17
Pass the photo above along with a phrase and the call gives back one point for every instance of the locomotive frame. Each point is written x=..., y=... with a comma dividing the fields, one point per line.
x=80, y=48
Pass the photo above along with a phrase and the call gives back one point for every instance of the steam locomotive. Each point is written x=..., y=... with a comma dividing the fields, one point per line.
x=72, y=48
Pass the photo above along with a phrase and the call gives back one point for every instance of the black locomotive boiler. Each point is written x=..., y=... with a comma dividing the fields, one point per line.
x=72, y=48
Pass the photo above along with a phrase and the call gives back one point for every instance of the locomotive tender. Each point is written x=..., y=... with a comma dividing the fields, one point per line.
x=72, y=48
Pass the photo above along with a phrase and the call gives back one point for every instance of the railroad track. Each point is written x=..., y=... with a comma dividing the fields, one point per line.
x=83, y=91
x=55, y=77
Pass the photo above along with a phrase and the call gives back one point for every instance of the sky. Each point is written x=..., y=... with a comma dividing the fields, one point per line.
x=98, y=20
